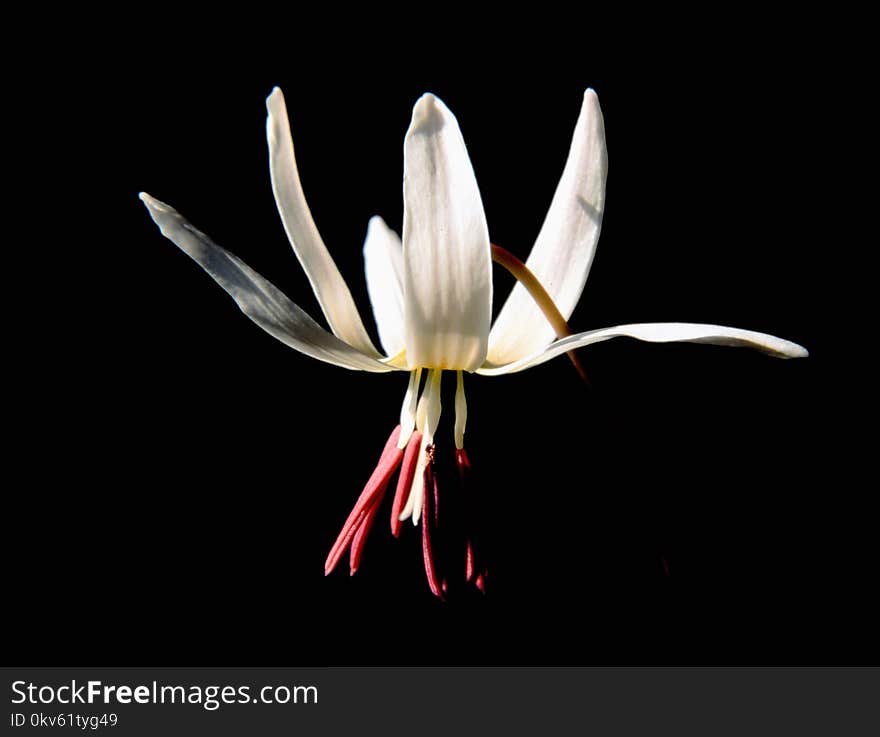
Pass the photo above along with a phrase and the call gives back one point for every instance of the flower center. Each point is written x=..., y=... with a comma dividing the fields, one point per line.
x=411, y=448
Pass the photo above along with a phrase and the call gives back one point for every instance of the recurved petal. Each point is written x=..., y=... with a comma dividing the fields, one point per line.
x=564, y=249
x=659, y=332
x=261, y=301
x=329, y=286
x=447, y=259
x=383, y=261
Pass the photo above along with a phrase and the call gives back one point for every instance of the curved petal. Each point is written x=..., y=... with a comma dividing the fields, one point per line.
x=383, y=262
x=329, y=286
x=447, y=260
x=564, y=249
x=659, y=332
x=258, y=299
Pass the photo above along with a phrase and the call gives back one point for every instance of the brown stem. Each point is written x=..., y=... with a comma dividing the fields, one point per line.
x=544, y=301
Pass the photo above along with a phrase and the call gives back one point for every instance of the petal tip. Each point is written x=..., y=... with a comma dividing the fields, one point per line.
x=796, y=351
x=276, y=108
x=274, y=96
x=591, y=99
x=376, y=222
x=781, y=348
x=427, y=99
x=429, y=112
x=154, y=205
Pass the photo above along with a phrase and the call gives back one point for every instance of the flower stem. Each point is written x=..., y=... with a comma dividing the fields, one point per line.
x=524, y=276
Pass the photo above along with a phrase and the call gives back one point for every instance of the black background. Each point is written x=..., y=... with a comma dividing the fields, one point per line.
x=180, y=475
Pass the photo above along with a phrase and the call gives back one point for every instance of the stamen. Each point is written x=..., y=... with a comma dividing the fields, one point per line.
x=472, y=561
x=427, y=553
x=408, y=410
x=536, y=290
x=481, y=583
x=460, y=411
x=363, y=530
x=463, y=463
x=372, y=494
x=405, y=480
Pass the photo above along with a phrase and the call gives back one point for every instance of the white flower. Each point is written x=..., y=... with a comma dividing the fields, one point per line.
x=432, y=296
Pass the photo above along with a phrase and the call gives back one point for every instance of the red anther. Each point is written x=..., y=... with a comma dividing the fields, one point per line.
x=444, y=587
x=463, y=463
x=469, y=562
x=427, y=554
x=363, y=529
x=352, y=529
x=372, y=493
x=481, y=583
x=404, y=481
x=436, y=491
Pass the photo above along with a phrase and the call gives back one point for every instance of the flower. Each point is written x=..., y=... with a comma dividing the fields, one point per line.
x=431, y=295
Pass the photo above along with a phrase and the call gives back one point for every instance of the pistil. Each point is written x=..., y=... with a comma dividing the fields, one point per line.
x=427, y=419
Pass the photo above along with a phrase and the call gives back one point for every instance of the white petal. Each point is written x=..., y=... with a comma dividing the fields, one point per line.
x=447, y=259
x=329, y=286
x=261, y=301
x=564, y=249
x=383, y=261
x=660, y=332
